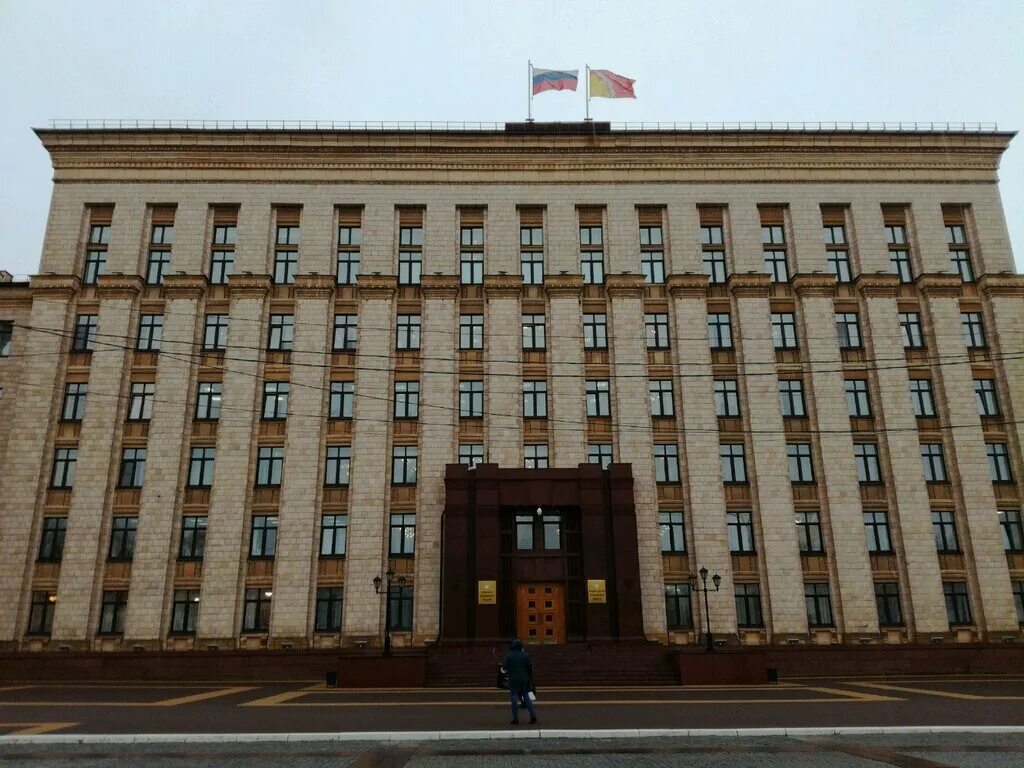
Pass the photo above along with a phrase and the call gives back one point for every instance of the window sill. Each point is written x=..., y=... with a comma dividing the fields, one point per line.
x=332, y=557
x=401, y=555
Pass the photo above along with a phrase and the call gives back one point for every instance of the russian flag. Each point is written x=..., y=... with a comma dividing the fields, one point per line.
x=554, y=80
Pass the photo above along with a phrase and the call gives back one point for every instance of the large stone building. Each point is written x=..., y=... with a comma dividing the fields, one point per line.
x=541, y=373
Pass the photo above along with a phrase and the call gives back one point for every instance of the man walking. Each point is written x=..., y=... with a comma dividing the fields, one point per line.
x=520, y=673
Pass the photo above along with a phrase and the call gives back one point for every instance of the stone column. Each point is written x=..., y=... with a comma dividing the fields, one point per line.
x=28, y=459
x=318, y=244
x=166, y=464
x=703, y=476
x=302, y=484
x=622, y=246
x=682, y=241
x=370, y=490
x=633, y=419
x=98, y=462
x=502, y=239
x=127, y=241
x=767, y=467
x=1005, y=328
x=437, y=436
x=926, y=607
x=838, y=470
x=965, y=454
x=565, y=344
x=504, y=371
x=231, y=496
x=868, y=238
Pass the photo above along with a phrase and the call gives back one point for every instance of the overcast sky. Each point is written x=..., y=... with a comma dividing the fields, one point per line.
x=954, y=60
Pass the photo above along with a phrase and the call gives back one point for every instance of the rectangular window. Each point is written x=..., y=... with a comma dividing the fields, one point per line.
x=401, y=608
x=269, y=466
x=159, y=261
x=894, y=218
x=933, y=463
x=819, y=604
x=184, y=611
x=263, y=537
x=84, y=339
x=1018, y=599
x=720, y=330
x=678, y=606
x=524, y=532
x=215, y=332
x=598, y=398
x=998, y=462
x=773, y=244
x=535, y=456
x=954, y=218
x=73, y=408
x=808, y=532
x=910, y=327
x=837, y=250
x=51, y=542
x=6, y=333
x=350, y=238
x=407, y=399
x=666, y=463
x=876, y=529
x=64, y=462
x=151, y=331
x=275, y=400
x=402, y=535
x=592, y=253
x=652, y=255
x=985, y=395
x=748, y=605
x=133, y=468
x=113, y=607
x=346, y=333
x=40, y=613
x=535, y=399
x=727, y=398
x=848, y=330
x=671, y=532
x=656, y=330
x=256, y=611
x=286, y=246
x=208, y=397
x=471, y=256
x=1013, y=532
x=533, y=332
x=734, y=462
x=791, y=398
x=599, y=453
x=740, y=529
x=858, y=403
x=200, y=467
x=712, y=244
x=222, y=252
x=974, y=330
x=471, y=399
x=784, y=330
x=96, y=248
x=471, y=454
x=551, y=526
x=801, y=470
x=662, y=403
x=343, y=395
x=595, y=331
x=403, y=464
x=410, y=252
x=944, y=530
x=471, y=331
x=531, y=247
x=328, y=609
x=866, y=457
x=921, y=398
x=281, y=333
x=122, y=538
x=958, y=604
x=407, y=332
x=193, y=537
x=961, y=260
x=333, y=535
x=887, y=600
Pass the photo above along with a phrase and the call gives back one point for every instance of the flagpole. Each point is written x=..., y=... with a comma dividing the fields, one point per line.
x=529, y=91
x=588, y=90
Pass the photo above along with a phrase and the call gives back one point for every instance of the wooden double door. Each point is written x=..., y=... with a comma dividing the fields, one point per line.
x=540, y=613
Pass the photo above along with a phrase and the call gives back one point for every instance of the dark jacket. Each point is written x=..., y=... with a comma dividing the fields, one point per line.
x=519, y=667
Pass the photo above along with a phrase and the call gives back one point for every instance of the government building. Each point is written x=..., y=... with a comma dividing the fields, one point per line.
x=328, y=387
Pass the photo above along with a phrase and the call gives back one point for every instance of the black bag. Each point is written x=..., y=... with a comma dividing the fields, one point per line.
x=502, y=679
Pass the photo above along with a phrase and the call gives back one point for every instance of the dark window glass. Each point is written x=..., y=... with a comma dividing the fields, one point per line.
x=133, y=468
x=122, y=538
x=678, y=606
x=193, y=537
x=343, y=395
x=208, y=398
x=337, y=466
x=113, y=607
x=256, y=612
x=876, y=529
x=184, y=611
x=73, y=408
x=671, y=532
x=740, y=528
x=333, y=535
x=958, y=604
x=263, y=537
x=269, y=466
x=748, y=605
x=328, y=609
x=819, y=604
x=51, y=541
x=887, y=600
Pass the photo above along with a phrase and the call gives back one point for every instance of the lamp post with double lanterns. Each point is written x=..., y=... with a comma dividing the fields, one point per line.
x=717, y=581
x=389, y=576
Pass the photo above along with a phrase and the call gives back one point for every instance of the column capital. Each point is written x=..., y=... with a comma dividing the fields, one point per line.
x=935, y=285
x=118, y=286
x=813, y=284
x=625, y=286
x=377, y=286
x=54, y=286
x=249, y=285
x=440, y=286
x=563, y=285
x=503, y=286
x=750, y=285
x=184, y=286
x=1002, y=286
x=315, y=287
x=878, y=286
x=691, y=285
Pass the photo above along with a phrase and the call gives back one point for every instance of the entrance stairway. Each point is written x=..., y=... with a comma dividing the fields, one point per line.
x=451, y=666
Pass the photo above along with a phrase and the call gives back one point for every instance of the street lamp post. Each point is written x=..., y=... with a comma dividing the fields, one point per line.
x=377, y=582
x=717, y=581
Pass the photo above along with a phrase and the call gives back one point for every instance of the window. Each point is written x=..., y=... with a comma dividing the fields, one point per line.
x=652, y=255
x=401, y=608
x=200, y=467
x=727, y=398
x=592, y=255
x=535, y=399
x=64, y=462
x=113, y=608
x=958, y=605
x=269, y=465
x=407, y=333
x=808, y=532
x=773, y=240
x=84, y=339
x=208, y=397
x=51, y=542
x=819, y=604
x=338, y=463
x=122, y=538
x=740, y=528
x=848, y=328
x=666, y=463
x=256, y=613
x=712, y=245
x=286, y=254
x=328, y=609
x=837, y=254
x=720, y=330
x=524, y=531
x=275, y=400
x=933, y=463
x=193, y=537
x=281, y=332
x=1013, y=532
x=656, y=330
x=748, y=605
x=343, y=394
x=1018, y=599
x=887, y=600
x=876, y=530
x=974, y=331
x=547, y=528
x=998, y=462
x=944, y=530
x=159, y=253
x=402, y=535
x=349, y=240
x=184, y=611
x=791, y=398
x=346, y=333
x=677, y=606
x=535, y=456
x=403, y=465
x=222, y=257
x=866, y=457
x=598, y=399
x=40, y=613
x=471, y=454
x=959, y=251
x=533, y=332
x=215, y=332
x=471, y=399
x=595, y=331
x=921, y=398
x=671, y=532
x=263, y=537
x=801, y=469
x=734, y=462
x=407, y=399
x=531, y=254
x=471, y=331
x=73, y=408
x=551, y=525
x=6, y=332
x=662, y=403
x=410, y=255
x=783, y=330
x=133, y=468
x=910, y=326
x=96, y=253
x=985, y=395
x=151, y=330
x=899, y=255
x=333, y=535
x=600, y=453
x=858, y=404
x=471, y=257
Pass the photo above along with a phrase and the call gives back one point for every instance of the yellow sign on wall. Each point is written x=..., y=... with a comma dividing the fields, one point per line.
x=596, y=591
x=487, y=592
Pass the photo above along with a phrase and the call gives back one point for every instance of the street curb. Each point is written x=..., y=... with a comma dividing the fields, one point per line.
x=410, y=736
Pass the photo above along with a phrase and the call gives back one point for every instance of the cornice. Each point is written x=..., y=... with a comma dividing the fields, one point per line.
x=54, y=286
x=377, y=286
x=440, y=286
x=689, y=285
x=249, y=285
x=184, y=286
x=749, y=284
x=118, y=286
x=315, y=286
x=817, y=285
x=563, y=285
x=624, y=286
x=1002, y=286
x=503, y=286
x=935, y=285
x=878, y=286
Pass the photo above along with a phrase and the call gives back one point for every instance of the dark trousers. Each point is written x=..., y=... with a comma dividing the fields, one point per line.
x=523, y=692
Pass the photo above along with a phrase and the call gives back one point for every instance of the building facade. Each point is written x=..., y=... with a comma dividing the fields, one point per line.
x=524, y=380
